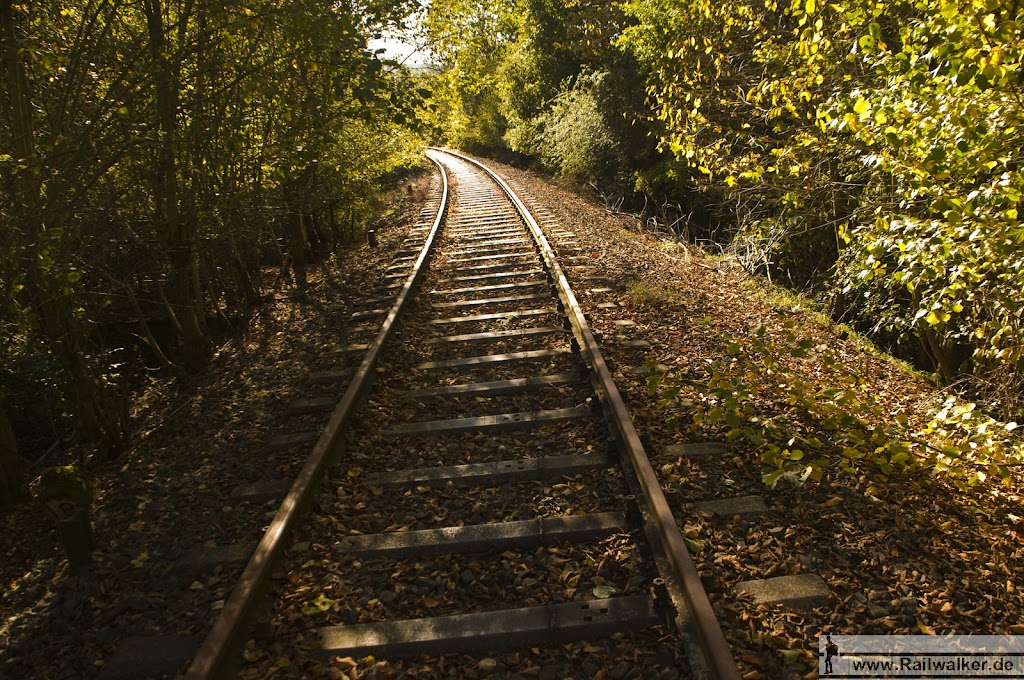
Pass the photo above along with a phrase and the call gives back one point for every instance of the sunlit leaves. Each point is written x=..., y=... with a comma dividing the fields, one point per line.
x=901, y=122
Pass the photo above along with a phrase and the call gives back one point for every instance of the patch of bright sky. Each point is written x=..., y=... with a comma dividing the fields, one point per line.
x=401, y=48
x=405, y=46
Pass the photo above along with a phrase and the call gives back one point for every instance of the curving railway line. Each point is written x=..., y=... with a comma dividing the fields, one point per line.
x=479, y=488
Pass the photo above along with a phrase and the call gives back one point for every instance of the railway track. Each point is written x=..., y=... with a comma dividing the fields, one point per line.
x=491, y=492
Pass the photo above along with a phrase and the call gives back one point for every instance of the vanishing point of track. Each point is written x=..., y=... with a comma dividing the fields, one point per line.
x=484, y=400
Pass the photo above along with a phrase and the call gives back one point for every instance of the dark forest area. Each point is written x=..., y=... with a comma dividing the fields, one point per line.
x=167, y=165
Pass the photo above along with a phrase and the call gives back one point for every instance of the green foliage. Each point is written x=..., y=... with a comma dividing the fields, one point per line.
x=942, y=127
x=540, y=77
x=468, y=42
x=882, y=133
x=155, y=154
x=806, y=411
x=572, y=137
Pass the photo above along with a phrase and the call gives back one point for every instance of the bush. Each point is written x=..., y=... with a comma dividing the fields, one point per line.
x=572, y=137
x=883, y=129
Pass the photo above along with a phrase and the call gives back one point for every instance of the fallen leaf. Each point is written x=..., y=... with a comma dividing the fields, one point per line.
x=695, y=547
x=791, y=655
x=321, y=604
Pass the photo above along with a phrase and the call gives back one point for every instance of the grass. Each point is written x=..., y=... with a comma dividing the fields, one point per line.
x=645, y=294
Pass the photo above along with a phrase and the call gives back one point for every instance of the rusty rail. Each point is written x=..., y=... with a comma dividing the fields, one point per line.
x=231, y=629
x=717, y=652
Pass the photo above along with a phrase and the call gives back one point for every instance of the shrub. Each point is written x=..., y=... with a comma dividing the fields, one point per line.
x=572, y=137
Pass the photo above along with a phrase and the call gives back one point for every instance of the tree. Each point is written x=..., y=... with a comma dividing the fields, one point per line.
x=541, y=77
x=177, y=228
x=469, y=41
x=39, y=285
x=882, y=134
x=12, y=482
x=159, y=152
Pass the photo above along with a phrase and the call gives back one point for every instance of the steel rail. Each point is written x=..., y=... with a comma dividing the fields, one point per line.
x=231, y=629
x=718, y=654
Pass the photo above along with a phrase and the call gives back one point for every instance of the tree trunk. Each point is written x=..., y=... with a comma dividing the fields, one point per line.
x=297, y=245
x=12, y=478
x=94, y=419
x=949, y=356
x=294, y=197
x=178, y=231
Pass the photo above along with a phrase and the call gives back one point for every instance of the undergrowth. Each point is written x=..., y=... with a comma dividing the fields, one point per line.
x=807, y=411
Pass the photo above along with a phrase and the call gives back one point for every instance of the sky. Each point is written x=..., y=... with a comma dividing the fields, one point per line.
x=399, y=49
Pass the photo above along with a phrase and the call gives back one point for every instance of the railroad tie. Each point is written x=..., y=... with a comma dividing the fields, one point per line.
x=489, y=336
x=503, y=422
x=528, y=626
x=495, y=388
x=515, y=535
x=497, y=472
x=491, y=359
